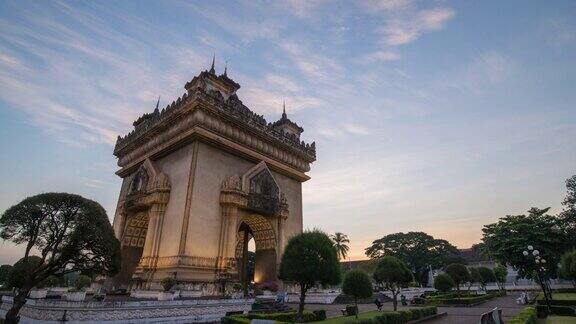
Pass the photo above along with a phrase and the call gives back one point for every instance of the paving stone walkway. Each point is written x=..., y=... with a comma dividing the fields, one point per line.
x=456, y=315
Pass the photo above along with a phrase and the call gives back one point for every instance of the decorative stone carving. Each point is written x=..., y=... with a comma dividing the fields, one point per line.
x=232, y=183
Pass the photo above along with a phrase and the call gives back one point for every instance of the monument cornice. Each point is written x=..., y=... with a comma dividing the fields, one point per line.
x=198, y=117
x=229, y=119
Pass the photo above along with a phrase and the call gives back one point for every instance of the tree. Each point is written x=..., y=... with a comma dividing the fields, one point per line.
x=357, y=284
x=568, y=215
x=475, y=277
x=568, y=266
x=506, y=239
x=486, y=276
x=443, y=282
x=392, y=274
x=5, y=272
x=21, y=269
x=341, y=244
x=309, y=257
x=71, y=234
x=459, y=274
x=500, y=274
x=418, y=250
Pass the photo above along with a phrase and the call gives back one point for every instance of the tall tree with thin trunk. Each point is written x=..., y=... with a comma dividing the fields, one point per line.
x=70, y=234
x=341, y=244
x=309, y=258
x=358, y=285
x=392, y=274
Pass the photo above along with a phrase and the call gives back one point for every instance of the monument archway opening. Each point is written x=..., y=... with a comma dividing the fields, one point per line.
x=258, y=229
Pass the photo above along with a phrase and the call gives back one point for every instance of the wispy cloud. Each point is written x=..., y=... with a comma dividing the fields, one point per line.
x=379, y=56
x=408, y=27
x=486, y=70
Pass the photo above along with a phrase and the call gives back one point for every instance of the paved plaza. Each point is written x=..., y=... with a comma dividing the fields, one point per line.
x=456, y=315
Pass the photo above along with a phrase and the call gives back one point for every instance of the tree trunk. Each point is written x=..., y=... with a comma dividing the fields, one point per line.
x=19, y=301
x=356, y=304
x=395, y=300
x=302, y=301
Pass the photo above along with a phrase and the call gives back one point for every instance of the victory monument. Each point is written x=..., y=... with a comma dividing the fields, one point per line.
x=202, y=177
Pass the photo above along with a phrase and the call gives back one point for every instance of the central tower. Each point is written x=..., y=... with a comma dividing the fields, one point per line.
x=201, y=177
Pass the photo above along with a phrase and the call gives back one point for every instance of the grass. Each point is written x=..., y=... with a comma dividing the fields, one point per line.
x=564, y=296
x=343, y=319
x=561, y=320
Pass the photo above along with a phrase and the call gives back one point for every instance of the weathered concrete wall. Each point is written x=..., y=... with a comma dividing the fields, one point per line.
x=213, y=167
x=176, y=166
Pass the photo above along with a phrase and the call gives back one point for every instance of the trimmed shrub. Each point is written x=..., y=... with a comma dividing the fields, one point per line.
x=418, y=301
x=167, y=283
x=235, y=319
x=389, y=318
x=406, y=316
x=351, y=309
x=360, y=321
x=82, y=282
x=526, y=316
x=320, y=314
x=279, y=317
x=467, y=300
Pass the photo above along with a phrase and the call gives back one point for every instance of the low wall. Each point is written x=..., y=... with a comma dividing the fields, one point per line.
x=55, y=311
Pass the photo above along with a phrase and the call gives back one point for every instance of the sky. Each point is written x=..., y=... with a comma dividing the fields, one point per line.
x=432, y=116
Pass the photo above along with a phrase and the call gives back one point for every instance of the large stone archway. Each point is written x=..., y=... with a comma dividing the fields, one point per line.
x=256, y=227
x=252, y=207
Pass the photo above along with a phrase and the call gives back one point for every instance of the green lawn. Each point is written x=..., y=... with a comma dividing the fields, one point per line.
x=561, y=320
x=564, y=296
x=342, y=319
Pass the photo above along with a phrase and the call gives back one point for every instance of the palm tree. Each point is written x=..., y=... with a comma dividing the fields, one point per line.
x=340, y=240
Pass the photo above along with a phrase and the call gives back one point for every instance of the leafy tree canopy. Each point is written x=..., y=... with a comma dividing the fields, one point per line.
x=357, y=283
x=70, y=233
x=443, y=282
x=5, y=272
x=475, y=275
x=568, y=215
x=459, y=273
x=500, y=274
x=310, y=258
x=486, y=275
x=568, y=266
x=417, y=249
x=23, y=268
x=507, y=238
x=392, y=274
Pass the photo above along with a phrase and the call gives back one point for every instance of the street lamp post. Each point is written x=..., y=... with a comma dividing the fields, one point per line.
x=539, y=266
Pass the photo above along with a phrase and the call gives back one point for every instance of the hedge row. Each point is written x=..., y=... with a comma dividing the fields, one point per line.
x=556, y=302
x=468, y=300
x=526, y=316
x=399, y=317
x=557, y=310
x=280, y=317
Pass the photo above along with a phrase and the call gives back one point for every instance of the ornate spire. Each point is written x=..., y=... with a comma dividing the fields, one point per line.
x=226, y=68
x=157, y=104
x=212, y=70
x=284, y=116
